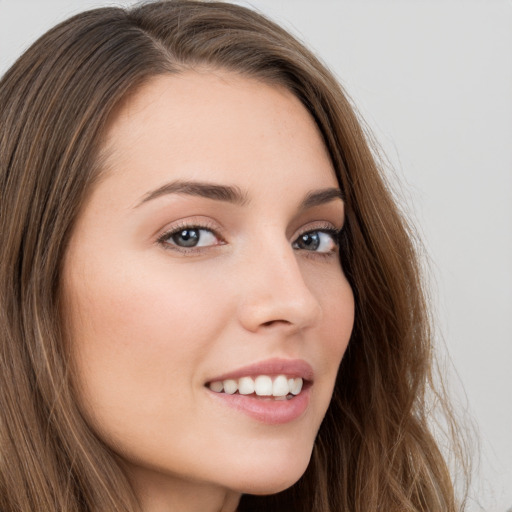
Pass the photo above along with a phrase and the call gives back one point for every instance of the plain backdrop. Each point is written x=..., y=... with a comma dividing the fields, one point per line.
x=433, y=80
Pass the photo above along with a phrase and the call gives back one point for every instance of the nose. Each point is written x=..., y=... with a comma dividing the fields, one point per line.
x=275, y=294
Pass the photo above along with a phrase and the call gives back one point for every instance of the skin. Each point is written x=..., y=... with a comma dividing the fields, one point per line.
x=150, y=323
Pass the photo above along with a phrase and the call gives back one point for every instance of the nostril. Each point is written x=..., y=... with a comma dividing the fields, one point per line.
x=272, y=322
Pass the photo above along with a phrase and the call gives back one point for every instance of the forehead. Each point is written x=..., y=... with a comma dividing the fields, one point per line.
x=215, y=125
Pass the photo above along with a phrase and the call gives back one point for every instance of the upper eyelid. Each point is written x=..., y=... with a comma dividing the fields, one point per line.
x=324, y=226
x=335, y=232
x=191, y=223
x=318, y=226
x=177, y=229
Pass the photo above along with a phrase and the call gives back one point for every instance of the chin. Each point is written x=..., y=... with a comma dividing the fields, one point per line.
x=273, y=477
x=268, y=488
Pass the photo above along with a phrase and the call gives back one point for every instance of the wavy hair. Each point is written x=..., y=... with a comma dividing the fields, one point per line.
x=374, y=450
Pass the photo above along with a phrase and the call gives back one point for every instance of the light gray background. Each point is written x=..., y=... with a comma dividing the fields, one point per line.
x=433, y=79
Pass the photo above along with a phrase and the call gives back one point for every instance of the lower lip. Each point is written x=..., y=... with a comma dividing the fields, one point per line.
x=271, y=412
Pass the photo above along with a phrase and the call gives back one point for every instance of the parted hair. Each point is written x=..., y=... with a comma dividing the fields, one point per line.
x=375, y=450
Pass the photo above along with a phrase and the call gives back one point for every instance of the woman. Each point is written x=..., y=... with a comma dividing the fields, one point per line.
x=209, y=299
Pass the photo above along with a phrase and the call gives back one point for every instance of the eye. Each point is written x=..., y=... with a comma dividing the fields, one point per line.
x=189, y=237
x=322, y=241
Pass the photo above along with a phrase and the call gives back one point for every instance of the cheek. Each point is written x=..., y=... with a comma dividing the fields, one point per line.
x=138, y=308
x=337, y=301
x=339, y=316
x=135, y=333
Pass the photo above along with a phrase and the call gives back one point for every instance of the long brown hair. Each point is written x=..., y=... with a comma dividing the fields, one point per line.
x=374, y=450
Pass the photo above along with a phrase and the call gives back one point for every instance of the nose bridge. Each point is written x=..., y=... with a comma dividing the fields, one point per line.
x=275, y=291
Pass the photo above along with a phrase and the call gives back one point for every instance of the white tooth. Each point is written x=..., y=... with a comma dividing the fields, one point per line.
x=290, y=384
x=217, y=386
x=297, y=386
x=263, y=385
x=245, y=386
x=280, y=386
x=230, y=386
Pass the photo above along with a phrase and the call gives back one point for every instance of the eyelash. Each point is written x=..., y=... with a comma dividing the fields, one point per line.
x=326, y=229
x=163, y=239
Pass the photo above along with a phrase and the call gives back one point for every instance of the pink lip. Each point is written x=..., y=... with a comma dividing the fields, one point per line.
x=288, y=367
x=268, y=410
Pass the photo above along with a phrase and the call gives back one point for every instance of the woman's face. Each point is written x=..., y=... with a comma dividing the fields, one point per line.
x=207, y=255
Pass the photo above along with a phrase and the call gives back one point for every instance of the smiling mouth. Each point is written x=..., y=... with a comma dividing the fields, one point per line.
x=279, y=387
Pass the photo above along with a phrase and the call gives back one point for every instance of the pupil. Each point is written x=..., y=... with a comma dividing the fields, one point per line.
x=310, y=241
x=187, y=238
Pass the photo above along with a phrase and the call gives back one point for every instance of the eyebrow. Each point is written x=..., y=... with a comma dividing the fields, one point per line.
x=233, y=194
x=319, y=197
x=225, y=193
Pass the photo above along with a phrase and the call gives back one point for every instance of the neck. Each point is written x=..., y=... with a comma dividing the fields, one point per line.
x=165, y=493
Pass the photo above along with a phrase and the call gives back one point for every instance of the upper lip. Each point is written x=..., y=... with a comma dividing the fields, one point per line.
x=277, y=366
